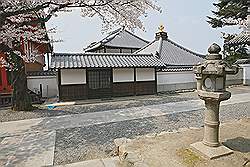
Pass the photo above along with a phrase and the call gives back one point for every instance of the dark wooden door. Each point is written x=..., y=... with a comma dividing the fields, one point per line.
x=99, y=83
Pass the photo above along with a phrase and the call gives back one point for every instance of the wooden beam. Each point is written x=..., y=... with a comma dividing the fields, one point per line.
x=135, y=81
x=59, y=83
x=111, y=82
x=155, y=81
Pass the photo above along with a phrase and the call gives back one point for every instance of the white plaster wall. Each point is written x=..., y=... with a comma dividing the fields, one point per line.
x=175, y=77
x=145, y=74
x=246, y=73
x=123, y=75
x=73, y=76
x=235, y=79
x=170, y=81
x=49, y=85
x=239, y=75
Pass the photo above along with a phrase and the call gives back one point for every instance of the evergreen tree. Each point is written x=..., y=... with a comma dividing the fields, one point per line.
x=231, y=13
x=228, y=13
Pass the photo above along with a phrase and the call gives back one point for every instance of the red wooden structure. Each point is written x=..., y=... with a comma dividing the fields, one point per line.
x=5, y=87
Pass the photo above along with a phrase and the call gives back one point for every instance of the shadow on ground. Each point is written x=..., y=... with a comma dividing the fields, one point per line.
x=240, y=144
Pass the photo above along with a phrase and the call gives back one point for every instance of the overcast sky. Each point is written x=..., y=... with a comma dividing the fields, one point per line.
x=184, y=20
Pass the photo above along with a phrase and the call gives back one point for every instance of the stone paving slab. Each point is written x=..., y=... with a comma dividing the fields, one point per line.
x=87, y=119
x=28, y=150
x=107, y=162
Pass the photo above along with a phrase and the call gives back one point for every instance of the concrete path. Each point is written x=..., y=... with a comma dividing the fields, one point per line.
x=79, y=120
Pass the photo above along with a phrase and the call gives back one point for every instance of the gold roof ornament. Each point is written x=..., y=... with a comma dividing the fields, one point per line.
x=161, y=28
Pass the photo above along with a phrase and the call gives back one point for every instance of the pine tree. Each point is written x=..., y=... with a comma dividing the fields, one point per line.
x=228, y=13
x=231, y=13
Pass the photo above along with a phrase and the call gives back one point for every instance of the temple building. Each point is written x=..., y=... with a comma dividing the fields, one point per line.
x=109, y=68
x=177, y=73
x=102, y=75
x=118, y=41
x=241, y=39
x=104, y=70
x=173, y=55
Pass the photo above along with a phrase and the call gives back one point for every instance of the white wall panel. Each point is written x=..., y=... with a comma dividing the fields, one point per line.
x=145, y=74
x=123, y=75
x=175, y=77
x=49, y=85
x=73, y=76
x=238, y=76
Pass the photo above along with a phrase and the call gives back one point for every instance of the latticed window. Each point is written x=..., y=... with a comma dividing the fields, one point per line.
x=99, y=79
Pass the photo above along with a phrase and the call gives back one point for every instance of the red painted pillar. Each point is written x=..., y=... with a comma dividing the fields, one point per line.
x=4, y=79
x=4, y=86
x=1, y=87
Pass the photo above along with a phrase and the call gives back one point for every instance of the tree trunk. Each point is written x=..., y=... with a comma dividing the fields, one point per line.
x=21, y=100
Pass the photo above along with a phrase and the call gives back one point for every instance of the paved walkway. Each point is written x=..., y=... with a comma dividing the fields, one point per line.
x=28, y=150
x=107, y=162
x=31, y=142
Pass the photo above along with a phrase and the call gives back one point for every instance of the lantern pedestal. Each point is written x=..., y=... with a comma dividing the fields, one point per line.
x=210, y=147
x=210, y=152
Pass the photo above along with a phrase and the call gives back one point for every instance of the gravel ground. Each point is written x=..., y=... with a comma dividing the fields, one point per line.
x=9, y=115
x=116, y=103
x=96, y=141
x=137, y=102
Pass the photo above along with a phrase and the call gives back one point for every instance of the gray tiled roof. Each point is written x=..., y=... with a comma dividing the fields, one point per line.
x=96, y=60
x=176, y=68
x=171, y=53
x=41, y=73
x=242, y=38
x=120, y=38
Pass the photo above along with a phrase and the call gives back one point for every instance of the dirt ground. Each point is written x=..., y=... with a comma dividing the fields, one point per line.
x=173, y=149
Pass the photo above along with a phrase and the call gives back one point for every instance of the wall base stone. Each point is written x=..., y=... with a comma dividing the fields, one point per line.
x=246, y=82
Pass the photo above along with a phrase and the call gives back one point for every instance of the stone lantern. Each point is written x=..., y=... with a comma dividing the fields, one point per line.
x=211, y=78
